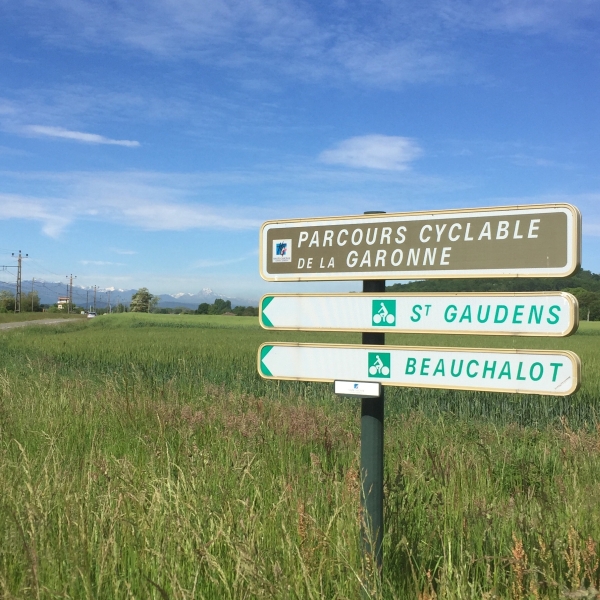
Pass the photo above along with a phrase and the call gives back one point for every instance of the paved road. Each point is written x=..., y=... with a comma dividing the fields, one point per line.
x=35, y=322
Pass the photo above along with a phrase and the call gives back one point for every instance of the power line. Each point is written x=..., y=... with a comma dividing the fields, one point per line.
x=39, y=266
x=78, y=295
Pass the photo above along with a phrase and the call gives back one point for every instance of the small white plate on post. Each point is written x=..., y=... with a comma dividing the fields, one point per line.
x=360, y=389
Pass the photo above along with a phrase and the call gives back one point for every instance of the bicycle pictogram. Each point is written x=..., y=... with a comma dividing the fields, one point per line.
x=383, y=312
x=379, y=364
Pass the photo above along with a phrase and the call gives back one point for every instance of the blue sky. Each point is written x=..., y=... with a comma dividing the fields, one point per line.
x=143, y=144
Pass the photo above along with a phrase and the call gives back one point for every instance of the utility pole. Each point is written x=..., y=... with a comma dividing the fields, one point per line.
x=95, y=297
x=70, y=291
x=20, y=257
x=109, y=309
x=87, y=300
x=32, y=282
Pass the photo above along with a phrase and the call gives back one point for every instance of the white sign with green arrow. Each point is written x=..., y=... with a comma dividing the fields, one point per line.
x=547, y=313
x=517, y=371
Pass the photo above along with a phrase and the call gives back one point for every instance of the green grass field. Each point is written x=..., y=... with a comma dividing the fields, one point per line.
x=141, y=456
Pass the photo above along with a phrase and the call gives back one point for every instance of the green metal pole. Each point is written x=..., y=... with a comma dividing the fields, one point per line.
x=371, y=457
x=371, y=454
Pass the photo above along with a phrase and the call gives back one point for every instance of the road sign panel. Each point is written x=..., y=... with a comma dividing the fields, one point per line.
x=515, y=371
x=536, y=241
x=547, y=313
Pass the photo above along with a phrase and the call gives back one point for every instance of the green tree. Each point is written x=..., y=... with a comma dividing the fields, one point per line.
x=583, y=279
x=203, y=308
x=7, y=301
x=30, y=302
x=143, y=301
x=219, y=307
x=246, y=311
x=589, y=303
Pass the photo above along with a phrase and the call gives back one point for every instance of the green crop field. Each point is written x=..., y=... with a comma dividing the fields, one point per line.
x=141, y=456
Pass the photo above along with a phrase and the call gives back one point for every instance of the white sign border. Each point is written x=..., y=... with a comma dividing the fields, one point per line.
x=572, y=301
x=373, y=348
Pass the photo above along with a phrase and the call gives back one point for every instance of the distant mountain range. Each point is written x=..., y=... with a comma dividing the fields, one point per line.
x=193, y=300
x=49, y=293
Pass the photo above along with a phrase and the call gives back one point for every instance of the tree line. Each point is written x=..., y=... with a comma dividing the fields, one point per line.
x=222, y=307
x=144, y=301
x=30, y=302
x=141, y=301
x=584, y=285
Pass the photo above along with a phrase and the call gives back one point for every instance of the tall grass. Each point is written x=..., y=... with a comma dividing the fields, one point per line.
x=142, y=456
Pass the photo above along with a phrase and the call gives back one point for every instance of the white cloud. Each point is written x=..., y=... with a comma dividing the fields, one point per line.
x=7, y=108
x=370, y=61
x=392, y=153
x=151, y=201
x=78, y=136
x=378, y=47
x=45, y=210
x=178, y=217
x=383, y=43
x=525, y=16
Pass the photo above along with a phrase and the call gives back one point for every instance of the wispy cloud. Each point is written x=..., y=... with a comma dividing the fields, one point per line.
x=524, y=160
x=44, y=210
x=284, y=36
x=151, y=201
x=78, y=136
x=386, y=152
x=561, y=17
x=238, y=201
x=388, y=43
x=12, y=151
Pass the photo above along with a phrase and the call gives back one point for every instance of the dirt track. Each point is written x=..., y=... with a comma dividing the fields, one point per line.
x=35, y=322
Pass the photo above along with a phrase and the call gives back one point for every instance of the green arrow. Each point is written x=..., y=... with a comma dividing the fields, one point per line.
x=266, y=301
x=263, y=353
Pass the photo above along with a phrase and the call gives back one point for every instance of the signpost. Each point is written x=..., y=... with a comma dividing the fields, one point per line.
x=517, y=314
x=529, y=241
x=533, y=241
x=547, y=372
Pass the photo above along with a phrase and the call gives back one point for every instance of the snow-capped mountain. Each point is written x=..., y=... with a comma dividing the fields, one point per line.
x=187, y=300
x=50, y=291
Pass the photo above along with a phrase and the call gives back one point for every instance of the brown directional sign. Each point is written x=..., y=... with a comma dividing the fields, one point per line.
x=542, y=240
